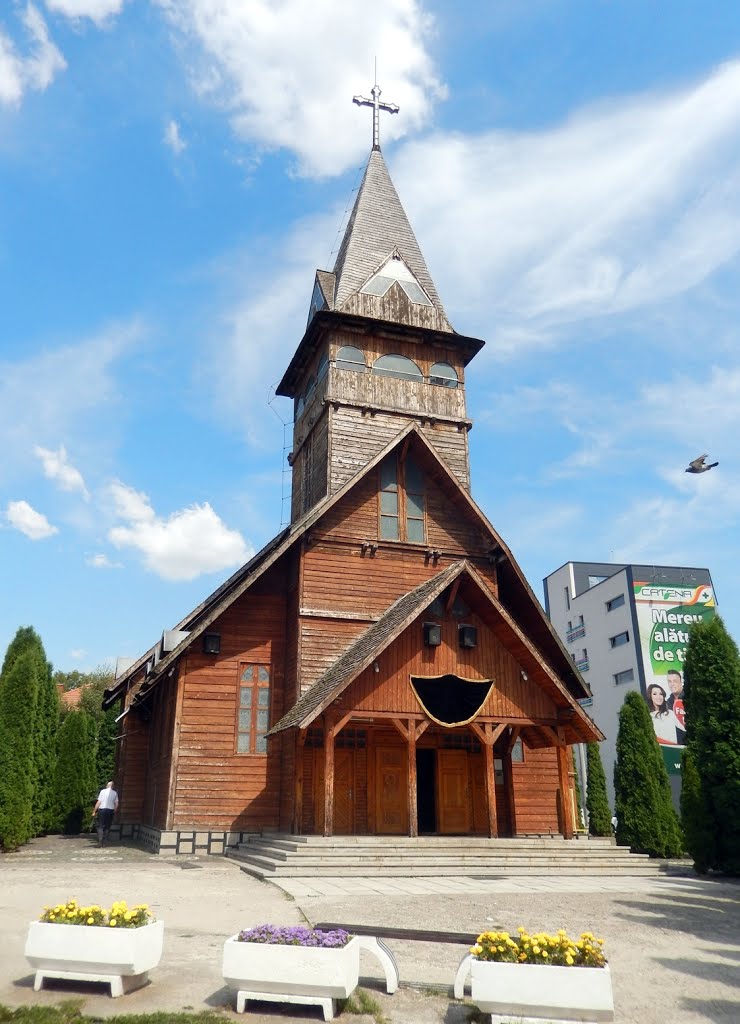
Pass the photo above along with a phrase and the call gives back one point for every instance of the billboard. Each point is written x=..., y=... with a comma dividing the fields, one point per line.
x=665, y=614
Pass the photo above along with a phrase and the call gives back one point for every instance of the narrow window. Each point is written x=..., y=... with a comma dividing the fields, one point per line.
x=517, y=752
x=624, y=677
x=414, y=502
x=389, y=499
x=254, y=709
x=567, y=598
x=616, y=602
x=619, y=639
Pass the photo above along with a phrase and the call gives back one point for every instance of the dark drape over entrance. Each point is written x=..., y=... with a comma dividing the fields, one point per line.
x=451, y=700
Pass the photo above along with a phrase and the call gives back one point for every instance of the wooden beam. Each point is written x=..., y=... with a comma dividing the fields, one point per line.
x=413, y=797
x=566, y=805
x=421, y=727
x=328, y=776
x=452, y=595
x=557, y=740
x=341, y=722
x=491, y=791
x=400, y=727
x=300, y=745
x=512, y=738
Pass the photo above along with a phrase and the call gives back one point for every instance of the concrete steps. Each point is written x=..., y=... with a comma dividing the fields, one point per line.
x=283, y=856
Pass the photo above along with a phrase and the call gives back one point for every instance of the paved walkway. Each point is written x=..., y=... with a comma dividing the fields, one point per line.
x=673, y=943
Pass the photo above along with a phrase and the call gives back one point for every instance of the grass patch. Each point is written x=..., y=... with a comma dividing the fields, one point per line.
x=70, y=1012
x=361, y=1002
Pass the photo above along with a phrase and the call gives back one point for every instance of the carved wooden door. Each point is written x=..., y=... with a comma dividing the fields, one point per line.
x=391, y=791
x=344, y=792
x=453, y=792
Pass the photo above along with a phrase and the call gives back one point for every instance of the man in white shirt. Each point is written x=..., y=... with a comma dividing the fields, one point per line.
x=105, y=807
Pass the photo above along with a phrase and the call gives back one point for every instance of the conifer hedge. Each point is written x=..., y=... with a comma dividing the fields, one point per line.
x=75, y=773
x=597, y=800
x=18, y=698
x=711, y=807
x=646, y=819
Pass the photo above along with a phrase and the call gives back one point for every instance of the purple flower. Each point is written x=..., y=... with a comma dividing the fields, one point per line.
x=296, y=935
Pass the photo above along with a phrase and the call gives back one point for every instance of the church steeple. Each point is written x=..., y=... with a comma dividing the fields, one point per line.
x=378, y=350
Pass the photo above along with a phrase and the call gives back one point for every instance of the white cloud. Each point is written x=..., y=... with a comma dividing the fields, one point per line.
x=173, y=139
x=33, y=524
x=617, y=209
x=98, y=11
x=34, y=70
x=101, y=561
x=185, y=545
x=287, y=71
x=77, y=653
x=56, y=466
x=58, y=392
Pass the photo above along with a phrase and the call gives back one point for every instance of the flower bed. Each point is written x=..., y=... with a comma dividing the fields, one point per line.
x=118, y=946
x=294, y=964
x=542, y=976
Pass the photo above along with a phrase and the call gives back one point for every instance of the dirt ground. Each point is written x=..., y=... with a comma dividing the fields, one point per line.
x=673, y=944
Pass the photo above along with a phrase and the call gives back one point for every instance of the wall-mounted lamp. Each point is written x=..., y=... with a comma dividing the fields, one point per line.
x=468, y=636
x=211, y=643
x=524, y=675
x=432, y=634
x=376, y=667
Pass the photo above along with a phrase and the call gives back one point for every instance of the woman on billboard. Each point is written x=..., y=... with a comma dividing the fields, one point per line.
x=664, y=719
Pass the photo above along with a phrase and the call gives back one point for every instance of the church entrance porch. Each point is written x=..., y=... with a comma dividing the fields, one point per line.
x=434, y=783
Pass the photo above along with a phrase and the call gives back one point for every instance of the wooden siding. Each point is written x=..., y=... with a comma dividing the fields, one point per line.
x=216, y=787
x=132, y=768
x=511, y=698
x=536, y=791
x=161, y=732
x=357, y=436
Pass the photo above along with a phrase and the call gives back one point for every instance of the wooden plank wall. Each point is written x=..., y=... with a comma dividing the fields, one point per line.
x=216, y=787
x=357, y=437
x=536, y=791
x=390, y=689
x=132, y=768
x=161, y=729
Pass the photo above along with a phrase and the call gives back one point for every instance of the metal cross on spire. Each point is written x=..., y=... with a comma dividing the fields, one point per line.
x=375, y=103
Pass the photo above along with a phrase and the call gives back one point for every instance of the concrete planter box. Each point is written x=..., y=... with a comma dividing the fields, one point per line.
x=291, y=974
x=537, y=991
x=121, y=957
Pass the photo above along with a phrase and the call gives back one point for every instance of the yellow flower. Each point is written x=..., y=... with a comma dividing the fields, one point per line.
x=112, y=922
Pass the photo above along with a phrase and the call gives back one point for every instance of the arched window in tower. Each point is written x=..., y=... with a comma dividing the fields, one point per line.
x=443, y=375
x=402, y=500
x=350, y=358
x=394, y=365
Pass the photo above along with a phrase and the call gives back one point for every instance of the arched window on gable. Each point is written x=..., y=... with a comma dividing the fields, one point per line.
x=351, y=358
x=443, y=375
x=395, y=365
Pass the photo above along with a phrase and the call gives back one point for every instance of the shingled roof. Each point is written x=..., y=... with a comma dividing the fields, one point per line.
x=377, y=227
x=366, y=648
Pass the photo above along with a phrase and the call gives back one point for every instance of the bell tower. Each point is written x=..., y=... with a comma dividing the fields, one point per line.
x=378, y=349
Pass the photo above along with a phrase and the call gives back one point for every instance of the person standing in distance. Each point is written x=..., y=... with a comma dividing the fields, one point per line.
x=105, y=807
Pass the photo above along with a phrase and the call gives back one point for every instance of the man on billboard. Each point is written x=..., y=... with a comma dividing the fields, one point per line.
x=675, y=701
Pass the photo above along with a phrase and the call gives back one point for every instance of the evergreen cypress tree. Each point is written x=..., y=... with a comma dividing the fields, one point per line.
x=25, y=638
x=697, y=826
x=46, y=724
x=106, y=728
x=646, y=820
x=597, y=800
x=75, y=772
x=712, y=702
x=18, y=698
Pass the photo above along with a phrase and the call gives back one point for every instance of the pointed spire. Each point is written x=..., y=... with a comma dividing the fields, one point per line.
x=378, y=232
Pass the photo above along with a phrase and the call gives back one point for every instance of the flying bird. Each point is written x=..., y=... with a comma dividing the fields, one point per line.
x=698, y=465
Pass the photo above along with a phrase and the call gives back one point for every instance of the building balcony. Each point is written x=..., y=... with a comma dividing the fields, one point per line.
x=575, y=633
x=582, y=664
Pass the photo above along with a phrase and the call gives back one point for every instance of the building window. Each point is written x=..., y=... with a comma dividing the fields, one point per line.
x=593, y=581
x=254, y=709
x=351, y=358
x=616, y=602
x=619, y=639
x=624, y=677
x=517, y=752
x=443, y=375
x=402, y=501
x=397, y=366
x=567, y=598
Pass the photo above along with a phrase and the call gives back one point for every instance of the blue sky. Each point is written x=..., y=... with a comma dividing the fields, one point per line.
x=172, y=172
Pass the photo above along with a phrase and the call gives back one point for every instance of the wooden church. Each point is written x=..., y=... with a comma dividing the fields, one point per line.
x=382, y=665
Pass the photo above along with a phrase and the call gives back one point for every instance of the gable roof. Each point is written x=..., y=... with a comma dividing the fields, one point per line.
x=515, y=594
x=579, y=728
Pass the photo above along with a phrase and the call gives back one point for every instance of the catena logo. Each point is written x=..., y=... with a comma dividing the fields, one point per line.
x=674, y=595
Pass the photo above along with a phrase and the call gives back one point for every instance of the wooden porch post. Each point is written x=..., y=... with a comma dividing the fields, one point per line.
x=300, y=744
x=329, y=732
x=509, y=778
x=564, y=785
x=491, y=792
x=413, y=797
